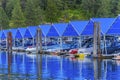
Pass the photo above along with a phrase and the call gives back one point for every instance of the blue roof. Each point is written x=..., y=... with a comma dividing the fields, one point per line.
x=45, y=28
x=79, y=25
x=70, y=31
x=104, y=24
x=14, y=31
x=115, y=27
x=60, y=27
x=52, y=32
x=30, y=32
x=4, y=34
x=20, y=33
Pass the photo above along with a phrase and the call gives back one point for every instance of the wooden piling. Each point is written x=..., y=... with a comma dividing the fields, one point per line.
x=39, y=41
x=9, y=42
x=99, y=40
x=95, y=40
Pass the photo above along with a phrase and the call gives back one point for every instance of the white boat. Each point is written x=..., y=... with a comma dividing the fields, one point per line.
x=31, y=49
x=86, y=51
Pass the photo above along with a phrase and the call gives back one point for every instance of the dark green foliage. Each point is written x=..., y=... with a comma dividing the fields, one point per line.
x=33, y=12
x=18, y=18
x=4, y=21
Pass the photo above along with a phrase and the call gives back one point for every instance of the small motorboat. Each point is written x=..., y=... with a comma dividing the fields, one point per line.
x=116, y=57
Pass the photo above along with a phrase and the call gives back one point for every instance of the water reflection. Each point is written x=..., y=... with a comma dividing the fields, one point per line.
x=46, y=67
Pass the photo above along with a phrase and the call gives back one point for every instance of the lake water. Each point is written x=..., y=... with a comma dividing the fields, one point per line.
x=21, y=66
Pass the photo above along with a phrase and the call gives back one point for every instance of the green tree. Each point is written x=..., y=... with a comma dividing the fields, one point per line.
x=4, y=21
x=118, y=7
x=33, y=12
x=90, y=7
x=18, y=18
x=105, y=8
x=9, y=8
x=52, y=12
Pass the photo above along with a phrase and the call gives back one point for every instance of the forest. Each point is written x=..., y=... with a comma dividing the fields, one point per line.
x=22, y=13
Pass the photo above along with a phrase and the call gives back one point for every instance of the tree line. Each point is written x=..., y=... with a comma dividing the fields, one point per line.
x=22, y=13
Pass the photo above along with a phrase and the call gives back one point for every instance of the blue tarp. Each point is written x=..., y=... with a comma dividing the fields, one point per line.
x=52, y=32
x=115, y=27
x=79, y=25
x=20, y=33
x=45, y=28
x=14, y=31
x=4, y=34
x=104, y=24
x=70, y=31
x=30, y=32
x=60, y=27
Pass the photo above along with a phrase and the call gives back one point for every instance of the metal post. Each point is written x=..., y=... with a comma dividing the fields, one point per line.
x=33, y=41
x=95, y=40
x=80, y=42
x=60, y=43
x=45, y=43
x=23, y=42
x=105, y=45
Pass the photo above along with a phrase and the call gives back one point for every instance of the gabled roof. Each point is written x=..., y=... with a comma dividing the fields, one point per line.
x=70, y=31
x=79, y=25
x=115, y=27
x=4, y=34
x=52, y=32
x=60, y=27
x=14, y=31
x=20, y=33
x=30, y=31
x=104, y=24
x=45, y=28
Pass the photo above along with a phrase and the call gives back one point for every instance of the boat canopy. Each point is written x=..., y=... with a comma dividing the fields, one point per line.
x=30, y=32
x=60, y=27
x=45, y=28
x=70, y=31
x=115, y=27
x=20, y=33
x=14, y=31
x=104, y=24
x=4, y=34
x=53, y=32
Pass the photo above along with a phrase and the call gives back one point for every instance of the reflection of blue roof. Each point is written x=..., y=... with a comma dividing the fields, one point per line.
x=14, y=31
x=70, y=31
x=104, y=24
x=20, y=33
x=4, y=34
x=79, y=25
x=45, y=28
x=52, y=32
x=60, y=27
x=115, y=27
x=31, y=32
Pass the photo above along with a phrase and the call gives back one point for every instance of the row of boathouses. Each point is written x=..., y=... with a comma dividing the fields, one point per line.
x=59, y=31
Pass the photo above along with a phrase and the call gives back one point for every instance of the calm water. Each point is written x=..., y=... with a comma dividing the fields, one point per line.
x=20, y=66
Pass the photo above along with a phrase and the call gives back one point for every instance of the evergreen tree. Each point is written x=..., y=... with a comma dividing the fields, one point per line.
x=4, y=21
x=33, y=12
x=18, y=18
x=9, y=8
x=52, y=13
x=90, y=7
x=118, y=7
x=104, y=9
